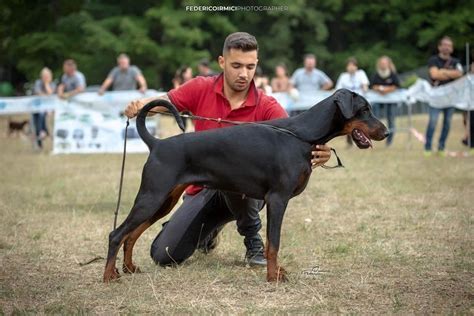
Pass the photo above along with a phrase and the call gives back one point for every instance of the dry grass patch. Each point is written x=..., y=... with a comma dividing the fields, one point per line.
x=391, y=233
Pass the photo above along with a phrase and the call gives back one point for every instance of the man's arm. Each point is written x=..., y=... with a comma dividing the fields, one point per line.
x=444, y=74
x=134, y=107
x=382, y=89
x=61, y=90
x=74, y=92
x=328, y=85
x=105, y=85
x=141, y=82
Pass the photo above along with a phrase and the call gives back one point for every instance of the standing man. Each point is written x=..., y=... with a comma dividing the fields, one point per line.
x=232, y=96
x=204, y=69
x=72, y=81
x=443, y=68
x=385, y=80
x=309, y=79
x=124, y=77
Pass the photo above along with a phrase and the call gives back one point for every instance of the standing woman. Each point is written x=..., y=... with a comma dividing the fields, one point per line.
x=353, y=79
x=43, y=86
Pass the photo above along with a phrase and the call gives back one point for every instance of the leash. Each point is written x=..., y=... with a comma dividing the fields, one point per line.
x=219, y=120
x=121, y=173
x=339, y=163
x=280, y=129
x=203, y=118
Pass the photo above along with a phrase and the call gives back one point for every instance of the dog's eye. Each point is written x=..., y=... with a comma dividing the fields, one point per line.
x=365, y=111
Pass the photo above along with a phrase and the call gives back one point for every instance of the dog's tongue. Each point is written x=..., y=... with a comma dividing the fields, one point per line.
x=363, y=139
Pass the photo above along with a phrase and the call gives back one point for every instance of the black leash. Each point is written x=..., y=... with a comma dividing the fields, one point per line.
x=280, y=129
x=202, y=118
x=339, y=163
x=121, y=173
x=219, y=120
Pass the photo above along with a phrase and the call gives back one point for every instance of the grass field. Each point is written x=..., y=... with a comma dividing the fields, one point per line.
x=391, y=233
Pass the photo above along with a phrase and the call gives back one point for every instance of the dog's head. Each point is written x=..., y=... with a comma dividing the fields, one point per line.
x=359, y=121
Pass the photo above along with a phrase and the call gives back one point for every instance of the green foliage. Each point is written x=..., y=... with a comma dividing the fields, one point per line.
x=409, y=81
x=162, y=37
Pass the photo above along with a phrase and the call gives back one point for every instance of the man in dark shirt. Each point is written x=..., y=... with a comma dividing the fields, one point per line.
x=443, y=68
x=385, y=81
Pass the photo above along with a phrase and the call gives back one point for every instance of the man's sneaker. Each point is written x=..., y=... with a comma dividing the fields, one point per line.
x=427, y=153
x=255, y=248
x=210, y=242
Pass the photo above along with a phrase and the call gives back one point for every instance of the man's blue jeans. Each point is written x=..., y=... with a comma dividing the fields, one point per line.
x=434, y=113
x=391, y=109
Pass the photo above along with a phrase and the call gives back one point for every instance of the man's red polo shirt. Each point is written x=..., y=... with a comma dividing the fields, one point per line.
x=204, y=96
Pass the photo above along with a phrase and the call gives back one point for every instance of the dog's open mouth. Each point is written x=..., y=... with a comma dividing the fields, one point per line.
x=361, y=140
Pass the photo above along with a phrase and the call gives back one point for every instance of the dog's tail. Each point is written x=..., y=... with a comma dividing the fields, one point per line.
x=141, y=128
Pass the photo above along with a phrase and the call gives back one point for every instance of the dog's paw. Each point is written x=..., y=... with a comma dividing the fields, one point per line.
x=279, y=275
x=130, y=268
x=111, y=275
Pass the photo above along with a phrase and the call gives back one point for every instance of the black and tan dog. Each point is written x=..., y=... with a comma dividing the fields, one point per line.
x=268, y=161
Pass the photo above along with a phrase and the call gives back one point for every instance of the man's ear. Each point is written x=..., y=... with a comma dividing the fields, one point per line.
x=345, y=102
x=221, y=61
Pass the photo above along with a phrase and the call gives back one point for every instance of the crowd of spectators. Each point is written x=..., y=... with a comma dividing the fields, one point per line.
x=443, y=68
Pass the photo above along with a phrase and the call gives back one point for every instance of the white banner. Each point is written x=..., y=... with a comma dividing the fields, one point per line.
x=459, y=93
x=92, y=123
x=306, y=101
x=26, y=105
x=88, y=122
x=82, y=130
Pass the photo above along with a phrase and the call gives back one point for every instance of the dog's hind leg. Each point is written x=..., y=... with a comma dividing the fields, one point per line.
x=172, y=199
x=150, y=198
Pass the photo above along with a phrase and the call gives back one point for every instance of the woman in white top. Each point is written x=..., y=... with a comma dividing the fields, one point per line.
x=353, y=79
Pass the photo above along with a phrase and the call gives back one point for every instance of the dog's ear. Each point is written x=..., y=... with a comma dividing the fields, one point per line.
x=345, y=102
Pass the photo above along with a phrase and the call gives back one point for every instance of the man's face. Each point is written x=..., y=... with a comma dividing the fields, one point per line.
x=203, y=69
x=445, y=47
x=123, y=62
x=383, y=64
x=239, y=68
x=309, y=63
x=69, y=68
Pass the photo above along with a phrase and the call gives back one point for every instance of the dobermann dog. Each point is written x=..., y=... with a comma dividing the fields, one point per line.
x=267, y=160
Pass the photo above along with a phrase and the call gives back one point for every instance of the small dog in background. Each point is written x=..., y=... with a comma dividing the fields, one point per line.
x=17, y=128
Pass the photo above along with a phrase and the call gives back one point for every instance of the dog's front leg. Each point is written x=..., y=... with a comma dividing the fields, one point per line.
x=276, y=206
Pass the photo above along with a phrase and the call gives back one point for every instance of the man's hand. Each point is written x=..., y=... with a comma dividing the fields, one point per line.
x=135, y=106
x=321, y=155
x=132, y=109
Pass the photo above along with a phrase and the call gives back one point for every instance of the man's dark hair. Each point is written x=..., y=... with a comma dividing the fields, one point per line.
x=240, y=40
x=445, y=38
x=204, y=62
x=69, y=62
x=306, y=56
